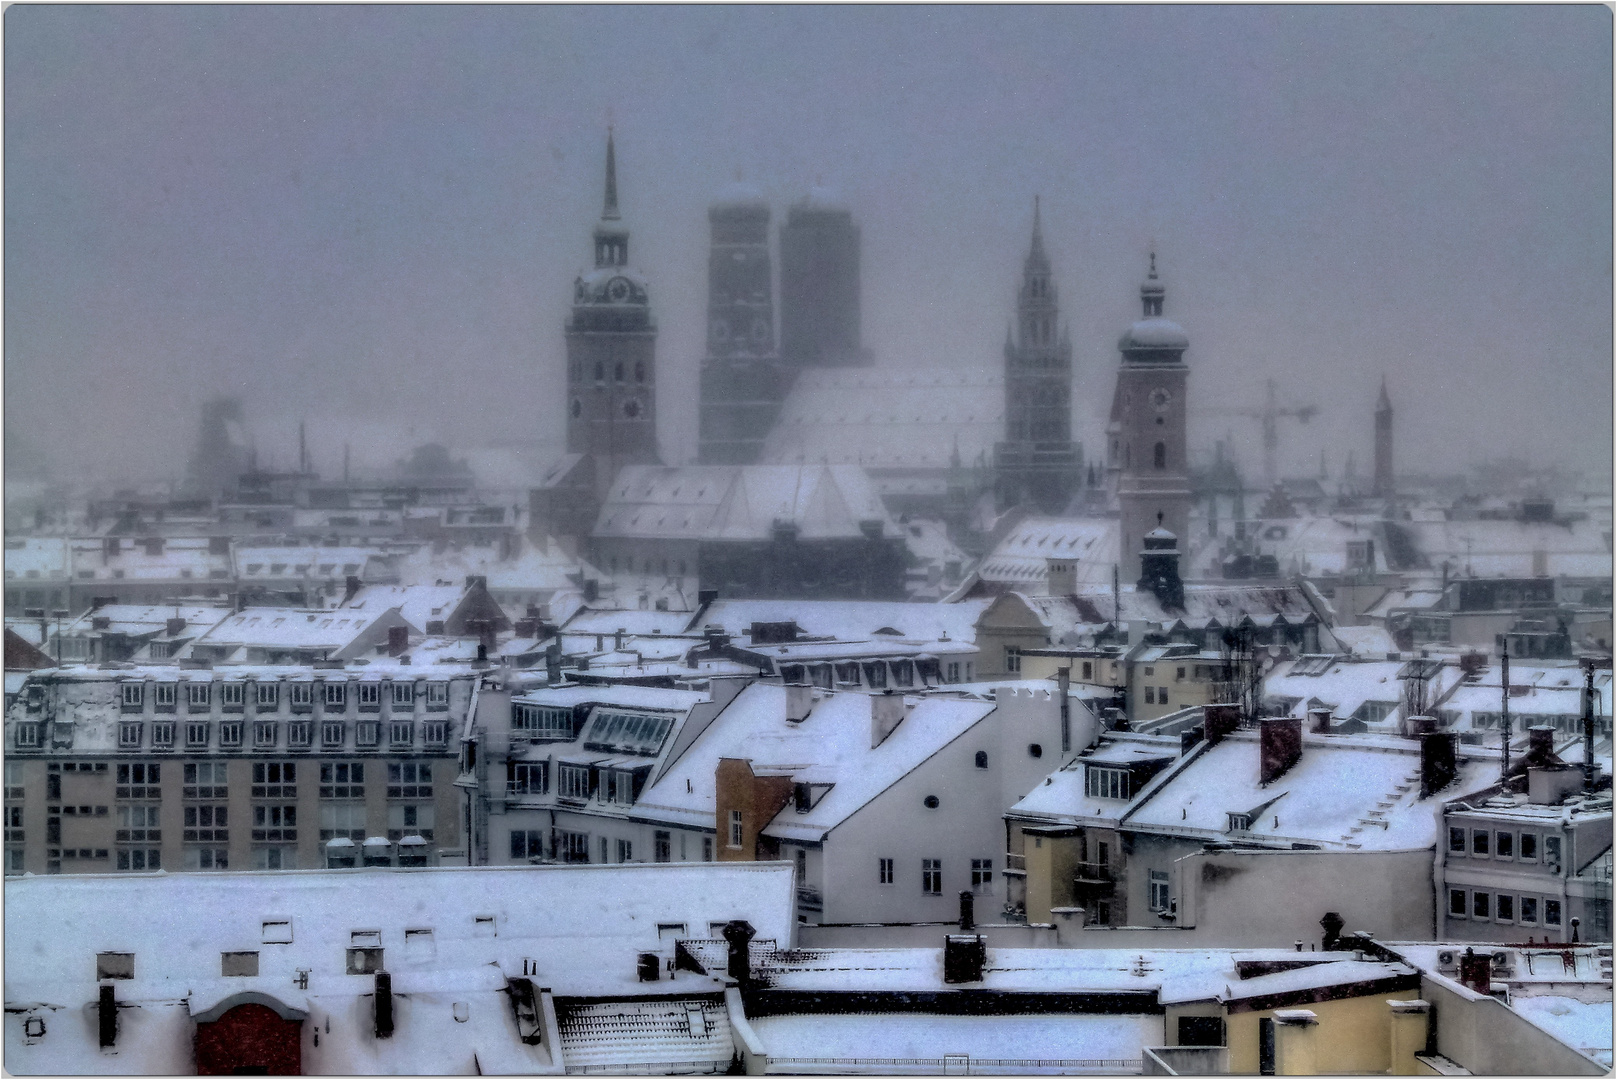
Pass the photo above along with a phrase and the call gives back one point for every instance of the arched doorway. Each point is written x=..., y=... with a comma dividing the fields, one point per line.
x=249, y=1034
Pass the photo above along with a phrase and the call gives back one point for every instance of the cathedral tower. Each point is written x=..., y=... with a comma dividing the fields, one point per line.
x=1146, y=432
x=743, y=381
x=611, y=345
x=819, y=284
x=1038, y=462
x=1384, y=444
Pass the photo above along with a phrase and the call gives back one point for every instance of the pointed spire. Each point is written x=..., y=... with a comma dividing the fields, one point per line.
x=610, y=212
x=1151, y=291
x=1383, y=403
x=1037, y=250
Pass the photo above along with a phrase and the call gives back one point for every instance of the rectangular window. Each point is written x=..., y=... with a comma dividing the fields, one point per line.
x=735, y=828
x=401, y=733
x=14, y=829
x=133, y=695
x=1481, y=905
x=370, y=697
x=275, y=822
x=1013, y=659
x=299, y=734
x=527, y=844
x=342, y=780
x=409, y=780
x=139, y=782
x=368, y=734
x=404, y=695
x=573, y=782
x=1102, y=783
x=205, y=780
x=707, y=849
x=1150, y=695
x=230, y=734
x=114, y=965
x=1529, y=914
x=162, y=734
x=301, y=696
x=1505, y=908
x=1457, y=839
x=28, y=736
x=932, y=877
x=1504, y=845
x=139, y=824
x=527, y=777
x=275, y=780
x=232, y=696
x=335, y=695
x=435, y=733
x=542, y=723
x=1528, y=851
x=1162, y=695
x=1552, y=855
x=207, y=858
x=163, y=695
x=198, y=696
x=625, y=851
x=129, y=734
x=1552, y=913
x=1088, y=671
x=206, y=824
x=14, y=776
x=437, y=695
x=1159, y=890
x=265, y=733
x=267, y=695
x=1479, y=841
x=1457, y=903
x=331, y=734
x=364, y=961
x=573, y=847
x=138, y=859
x=233, y=964
x=662, y=846
x=982, y=876
x=884, y=871
x=409, y=819
x=345, y=819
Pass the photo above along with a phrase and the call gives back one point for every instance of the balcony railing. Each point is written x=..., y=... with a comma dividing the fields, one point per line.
x=1093, y=873
x=1016, y=861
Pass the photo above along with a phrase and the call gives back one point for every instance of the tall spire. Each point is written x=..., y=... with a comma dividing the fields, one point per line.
x=610, y=213
x=1037, y=249
x=1151, y=291
x=1383, y=403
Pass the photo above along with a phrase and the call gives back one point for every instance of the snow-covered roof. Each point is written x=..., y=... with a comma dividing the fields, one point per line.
x=417, y=604
x=927, y=1036
x=848, y=620
x=43, y=557
x=1343, y=685
x=1488, y=548
x=1020, y=558
x=889, y=419
x=139, y=619
x=292, y=628
x=638, y=697
x=594, y=620
x=311, y=561
x=740, y=502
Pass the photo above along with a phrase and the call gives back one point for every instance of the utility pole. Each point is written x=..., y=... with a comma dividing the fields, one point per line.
x=1504, y=716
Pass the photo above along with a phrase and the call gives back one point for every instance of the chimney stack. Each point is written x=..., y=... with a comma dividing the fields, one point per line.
x=964, y=956
x=1540, y=745
x=1438, y=766
x=175, y=626
x=384, y=1005
x=1332, y=924
x=649, y=967
x=1280, y=746
x=1188, y=740
x=398, y=639
x=617, y=639
x=968, y=913
x=1418, y=726
x=1219, y=720
x=799, y=701
x=1476, y=972
x=1319, y=721
x=739, y=933
x=1159, y=568
x=553, y=661
x=1061, y=577
x=886, y=712
x=107, y=1015
x=350, y=587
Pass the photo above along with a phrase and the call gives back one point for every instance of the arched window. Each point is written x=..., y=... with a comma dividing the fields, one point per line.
x=982, y=759
x=1159, y=455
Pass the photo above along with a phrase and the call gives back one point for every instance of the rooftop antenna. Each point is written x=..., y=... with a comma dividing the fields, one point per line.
x=1117, y=606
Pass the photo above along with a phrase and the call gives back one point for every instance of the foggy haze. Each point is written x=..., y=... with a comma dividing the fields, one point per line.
x=372, y=216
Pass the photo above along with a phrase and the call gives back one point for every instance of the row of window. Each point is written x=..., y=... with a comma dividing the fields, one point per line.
x=266, y=734
x=572, y=781
x=267, y=695
x=270, y=780
x=1479, y=904
x=876, y=674
x=1506, y=845
x=574, y=847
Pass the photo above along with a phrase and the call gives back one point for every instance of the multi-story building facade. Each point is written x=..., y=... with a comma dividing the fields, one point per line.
x=819, y=284
x=126, y=768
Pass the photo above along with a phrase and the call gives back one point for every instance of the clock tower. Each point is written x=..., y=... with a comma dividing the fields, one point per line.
x=611, y=346
x=1038, y=463
x=1146, y=431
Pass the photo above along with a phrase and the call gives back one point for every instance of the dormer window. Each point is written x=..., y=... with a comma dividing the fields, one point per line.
x=1239, y=822
x=1106, y=783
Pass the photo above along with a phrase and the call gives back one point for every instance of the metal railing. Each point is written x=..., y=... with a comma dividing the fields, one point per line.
x=963, y=1065
x=1093, y=873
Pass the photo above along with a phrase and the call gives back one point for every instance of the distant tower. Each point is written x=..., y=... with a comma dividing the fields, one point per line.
x=611, y=342
x=1384, y=444
x=222, y=453
x=819, y=284
x=743, y=382
x=1037, y=463
x=1146, y=432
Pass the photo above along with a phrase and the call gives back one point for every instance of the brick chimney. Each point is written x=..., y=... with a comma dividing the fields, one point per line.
x=1541, y=745
x=1280, y=746
x=1476, y=971
x=886, y=712
x=1438, y=766
x=1219, y=720
x=1061, y=577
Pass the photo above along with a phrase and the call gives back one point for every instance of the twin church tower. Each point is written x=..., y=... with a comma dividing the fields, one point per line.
x=611, y=362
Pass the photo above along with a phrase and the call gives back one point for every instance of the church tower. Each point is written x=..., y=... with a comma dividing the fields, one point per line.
x=1037, y=463
x=743, y=382
x=611, y=345
x=1146, y=432
x=1384, y=444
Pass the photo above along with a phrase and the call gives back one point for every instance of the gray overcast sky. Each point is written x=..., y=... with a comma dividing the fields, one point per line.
x=377, y=212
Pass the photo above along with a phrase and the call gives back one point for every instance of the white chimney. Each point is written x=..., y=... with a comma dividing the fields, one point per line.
x=886, y=711
x=1061, y=577
x=799, y=700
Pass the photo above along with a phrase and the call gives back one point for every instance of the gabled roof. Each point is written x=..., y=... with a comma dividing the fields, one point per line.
x=1019, y=560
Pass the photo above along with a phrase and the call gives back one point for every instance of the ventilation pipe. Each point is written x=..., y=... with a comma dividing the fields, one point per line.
x=107, y=1015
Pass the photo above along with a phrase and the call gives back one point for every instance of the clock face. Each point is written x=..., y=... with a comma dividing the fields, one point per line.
x=1160, y=399
x=631, y=409
x=617, y=290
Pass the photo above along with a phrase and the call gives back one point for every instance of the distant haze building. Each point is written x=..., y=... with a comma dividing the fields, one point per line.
x=819, y=284
x=1038, y=462
x=1146, y=431
x=1384, y=487
x=222, y=453
x=611, y=345
x=743, y=380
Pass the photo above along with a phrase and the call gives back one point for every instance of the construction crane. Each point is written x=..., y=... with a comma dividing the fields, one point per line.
x=1269, y=416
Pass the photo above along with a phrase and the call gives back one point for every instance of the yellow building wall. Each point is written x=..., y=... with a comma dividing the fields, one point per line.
x=1050, y=862
x=1354, y=1034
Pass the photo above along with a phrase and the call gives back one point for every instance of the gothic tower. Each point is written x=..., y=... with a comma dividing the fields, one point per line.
x=743, y=382
x=819, y=285
x=1384, y=444
x=1038, y=462
x=1146, y=432
x=611, y=342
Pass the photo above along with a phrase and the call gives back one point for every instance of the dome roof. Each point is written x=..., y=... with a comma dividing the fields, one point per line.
x=738, y=194
x=1159, y=533
x=1157, y=333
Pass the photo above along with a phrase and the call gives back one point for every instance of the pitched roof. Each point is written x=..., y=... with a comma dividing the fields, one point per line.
x=740, y=502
